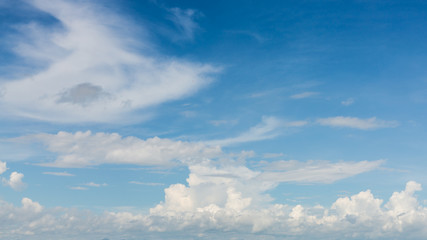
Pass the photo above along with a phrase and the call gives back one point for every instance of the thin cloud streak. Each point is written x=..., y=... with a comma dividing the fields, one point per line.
x=358, y=123
x=270, y=127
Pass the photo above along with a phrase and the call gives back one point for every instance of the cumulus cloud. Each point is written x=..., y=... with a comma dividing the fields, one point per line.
x=83, y=149
x=315, y=171
x=361, y=216
x=15, y=181
x=3, y=167
x=353, y=122
x=270, y=127
x=96, y=69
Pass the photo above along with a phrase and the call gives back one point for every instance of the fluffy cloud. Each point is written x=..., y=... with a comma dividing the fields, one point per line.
x=15, y=181
x=3, y=167
x=353, y=122
x=97, y=70
x=83, y=149
x=361, y=216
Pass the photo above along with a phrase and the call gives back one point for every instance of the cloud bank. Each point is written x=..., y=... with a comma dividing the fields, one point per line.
x=361, y=216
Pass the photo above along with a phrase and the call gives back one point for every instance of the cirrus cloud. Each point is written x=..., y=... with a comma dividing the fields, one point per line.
x=97, y=71
x=359, y=123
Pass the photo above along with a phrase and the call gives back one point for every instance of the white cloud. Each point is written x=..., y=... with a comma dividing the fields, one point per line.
x=79, y=188
x=92, y=184
x=348, y=102
x=84, y=149
x=95, y=71
x=270, y=127
x=63, y=174
x=353, y=122
x=184, y=21
x=315, y=171
x=3, y=167
x=303, y=95
x=146, y=183
x=15, y=181
x=361, y=216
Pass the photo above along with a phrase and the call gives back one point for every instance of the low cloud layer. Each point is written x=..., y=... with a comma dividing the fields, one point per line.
x=361, y=216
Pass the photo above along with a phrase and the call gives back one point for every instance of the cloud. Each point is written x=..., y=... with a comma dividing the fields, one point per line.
x=15, y=181
x=3, y=167
x=92, y=184
x=146, y=183
x=95, y=67
x=348, y=102
x=82, y=94
x=270, y=127
x=353, y=122
x=315, y=171
x=361, y=216
x=79, y=188
x=184, y=22
x=62, y=174
x=83, y=149
x=303, y=95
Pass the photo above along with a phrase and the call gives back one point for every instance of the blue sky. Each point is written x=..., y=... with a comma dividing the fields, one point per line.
x=213, y=120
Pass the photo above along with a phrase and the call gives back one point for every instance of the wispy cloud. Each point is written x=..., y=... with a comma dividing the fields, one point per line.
x=92, y=184
x=304, y=95
x=94, y=70
x=79, y=188
x=62, y=174
x=270, y=127
x=353, y=122
x=251, y=34
x=184, y=20
x=315, y=171
x=146, y=183
x=348, y=102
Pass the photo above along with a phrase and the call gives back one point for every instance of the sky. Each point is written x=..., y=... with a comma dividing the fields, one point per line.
x=162, y=119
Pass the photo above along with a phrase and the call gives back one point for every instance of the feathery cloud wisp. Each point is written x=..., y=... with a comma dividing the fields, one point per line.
x=96, y=70
x=353, y=122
